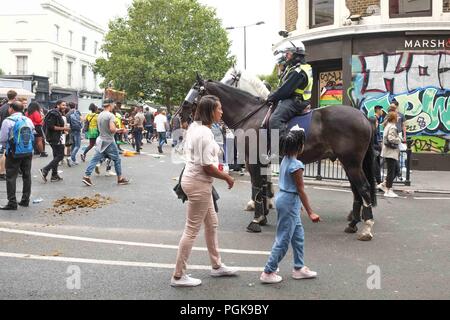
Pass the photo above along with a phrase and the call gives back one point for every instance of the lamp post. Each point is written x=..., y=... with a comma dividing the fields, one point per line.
x=245, y=37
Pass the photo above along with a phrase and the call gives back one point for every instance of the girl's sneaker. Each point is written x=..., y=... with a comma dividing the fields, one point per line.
x=270, y=278
x=224, y=271
x=185, y=281
x=303, y=273
x=390, y=194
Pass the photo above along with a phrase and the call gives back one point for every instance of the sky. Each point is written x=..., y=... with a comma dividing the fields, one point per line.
x=232, y=13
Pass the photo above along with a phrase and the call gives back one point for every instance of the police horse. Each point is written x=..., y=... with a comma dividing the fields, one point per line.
x=337, y=132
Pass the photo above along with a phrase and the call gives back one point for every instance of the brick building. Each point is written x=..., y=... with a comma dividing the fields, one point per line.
x=368, y=52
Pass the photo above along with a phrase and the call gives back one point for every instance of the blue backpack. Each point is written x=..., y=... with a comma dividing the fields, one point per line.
x=21, y=138
x=75, y=121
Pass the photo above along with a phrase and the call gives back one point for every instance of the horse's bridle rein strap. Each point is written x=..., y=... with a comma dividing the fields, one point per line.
x=251, y=114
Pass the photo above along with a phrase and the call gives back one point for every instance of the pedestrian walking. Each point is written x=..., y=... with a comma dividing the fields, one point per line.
x=54, y=131
x=4, y=113
x=161, y=127
x=74, y=120
x=149, y=119
x=390, y=153
x=139, y=120
x=202, y=154
x=17, y=136
x=289, y=201
x=35, y=114
x=106, y=146
x=90, y=128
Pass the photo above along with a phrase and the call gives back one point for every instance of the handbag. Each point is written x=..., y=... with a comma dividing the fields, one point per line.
x=179, y=190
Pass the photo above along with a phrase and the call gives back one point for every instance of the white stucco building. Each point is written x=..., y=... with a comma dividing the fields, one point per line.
x=57, y=43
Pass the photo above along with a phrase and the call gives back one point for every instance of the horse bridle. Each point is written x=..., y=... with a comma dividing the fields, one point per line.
x=236, y=78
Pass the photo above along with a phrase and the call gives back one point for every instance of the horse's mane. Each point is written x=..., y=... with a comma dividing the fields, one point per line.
x=235, y=92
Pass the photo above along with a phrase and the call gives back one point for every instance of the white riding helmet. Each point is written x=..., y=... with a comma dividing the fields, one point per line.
x=295, y=47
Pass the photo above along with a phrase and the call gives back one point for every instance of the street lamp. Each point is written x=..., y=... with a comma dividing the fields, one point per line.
x=245, y=37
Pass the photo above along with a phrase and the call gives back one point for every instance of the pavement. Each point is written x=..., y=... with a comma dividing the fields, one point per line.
x=435, y=182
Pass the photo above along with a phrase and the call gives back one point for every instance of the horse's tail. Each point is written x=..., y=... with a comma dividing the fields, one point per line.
x=369, y=165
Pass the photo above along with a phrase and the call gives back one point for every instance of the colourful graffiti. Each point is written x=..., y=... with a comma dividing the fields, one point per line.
x=331, y=88
x=430, y=144
x=420, y=82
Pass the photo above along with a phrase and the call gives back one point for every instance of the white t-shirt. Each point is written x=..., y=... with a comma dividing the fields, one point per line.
x=200, y=150
x=160, y=121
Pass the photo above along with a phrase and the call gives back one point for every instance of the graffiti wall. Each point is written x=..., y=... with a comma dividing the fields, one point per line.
x=419, y=81
x=331, y=88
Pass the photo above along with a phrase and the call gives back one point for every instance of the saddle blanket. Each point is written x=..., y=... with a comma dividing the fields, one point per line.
x=303, y=121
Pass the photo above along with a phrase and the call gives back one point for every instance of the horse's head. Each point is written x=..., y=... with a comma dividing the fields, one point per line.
x=192, y=98
x=232, y=77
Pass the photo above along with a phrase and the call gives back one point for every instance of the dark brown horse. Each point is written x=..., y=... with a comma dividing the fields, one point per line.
x=337, y=132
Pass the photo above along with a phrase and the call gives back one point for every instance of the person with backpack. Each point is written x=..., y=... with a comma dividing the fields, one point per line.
x=17, y=135
x=54, y=129
x=74, y=120
x=90, y=129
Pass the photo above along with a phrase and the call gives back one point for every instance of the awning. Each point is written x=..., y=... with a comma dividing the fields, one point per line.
x=20, y=92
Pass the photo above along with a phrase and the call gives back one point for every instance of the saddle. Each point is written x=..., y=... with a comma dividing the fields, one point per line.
x=265, y=122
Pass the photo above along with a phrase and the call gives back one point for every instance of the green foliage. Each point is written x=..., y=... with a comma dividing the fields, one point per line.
x=272, y=79
x=1, y=72
x=155, y=52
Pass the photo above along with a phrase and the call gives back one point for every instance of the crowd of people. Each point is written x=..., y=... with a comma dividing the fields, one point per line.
x=62, y=127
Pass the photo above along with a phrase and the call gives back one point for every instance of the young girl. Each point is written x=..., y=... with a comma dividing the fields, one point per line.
x=288, y=204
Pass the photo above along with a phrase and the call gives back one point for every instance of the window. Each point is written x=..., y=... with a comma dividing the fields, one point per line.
x=321, y=13
x=409, y=8
x=83, y=77
x=22, y=65
x=56, y=33
x=55, y=70
x=95, y=80
x=95, y=47
x=69, y=73
x=70, y=38
x=83, y=43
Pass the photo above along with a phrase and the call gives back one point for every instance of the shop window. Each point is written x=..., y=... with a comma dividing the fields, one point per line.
x=321, y=13
x=410, y=8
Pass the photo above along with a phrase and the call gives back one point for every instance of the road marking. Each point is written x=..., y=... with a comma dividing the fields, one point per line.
x=125, y=243
x=114, y=262
x=430, y=198
x=330, y=189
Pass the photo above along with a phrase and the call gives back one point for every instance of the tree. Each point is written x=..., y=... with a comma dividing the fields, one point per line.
x=1, y=72
x=155, y=52
x=272, y=79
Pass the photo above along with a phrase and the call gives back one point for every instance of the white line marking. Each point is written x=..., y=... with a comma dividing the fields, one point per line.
x=425, y=198
x=114, y=262
x=330, y=189
x=125, y=243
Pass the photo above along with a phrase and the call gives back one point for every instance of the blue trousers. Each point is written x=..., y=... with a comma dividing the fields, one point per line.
x=289, y=231
x=76, y=138
x=110, y=152
x=284, y=112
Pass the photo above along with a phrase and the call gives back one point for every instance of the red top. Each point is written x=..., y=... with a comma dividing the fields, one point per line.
x=36, y=118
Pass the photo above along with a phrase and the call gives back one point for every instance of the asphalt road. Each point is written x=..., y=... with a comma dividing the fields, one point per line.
x=126, y=250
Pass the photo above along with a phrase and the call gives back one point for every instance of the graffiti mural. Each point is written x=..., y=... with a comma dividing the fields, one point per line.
x=430, y=144
x=331, y=88
x=420, y=82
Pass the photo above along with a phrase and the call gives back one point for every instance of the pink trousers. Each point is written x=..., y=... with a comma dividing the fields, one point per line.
x=200, y=208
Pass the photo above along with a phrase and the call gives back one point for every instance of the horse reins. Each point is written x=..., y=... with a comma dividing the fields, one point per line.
x=251, y=114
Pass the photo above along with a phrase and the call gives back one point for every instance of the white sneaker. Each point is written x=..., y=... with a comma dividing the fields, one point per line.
x=185, y=281
x=270, y=278
x=390, y=194
x=383, y=187
x=110, y=173
x=303, y=273
x=224, y=271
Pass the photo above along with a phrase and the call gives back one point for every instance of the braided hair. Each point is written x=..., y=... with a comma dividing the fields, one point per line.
x=293, y=142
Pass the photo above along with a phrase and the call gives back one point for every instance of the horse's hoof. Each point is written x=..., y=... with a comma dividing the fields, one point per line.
x=350, y=217
x=254, y=228
x=365, y=237
x=263, y=222
x=351, y=229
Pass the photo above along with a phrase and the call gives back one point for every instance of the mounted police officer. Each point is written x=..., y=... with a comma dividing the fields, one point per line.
x=294, y=92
